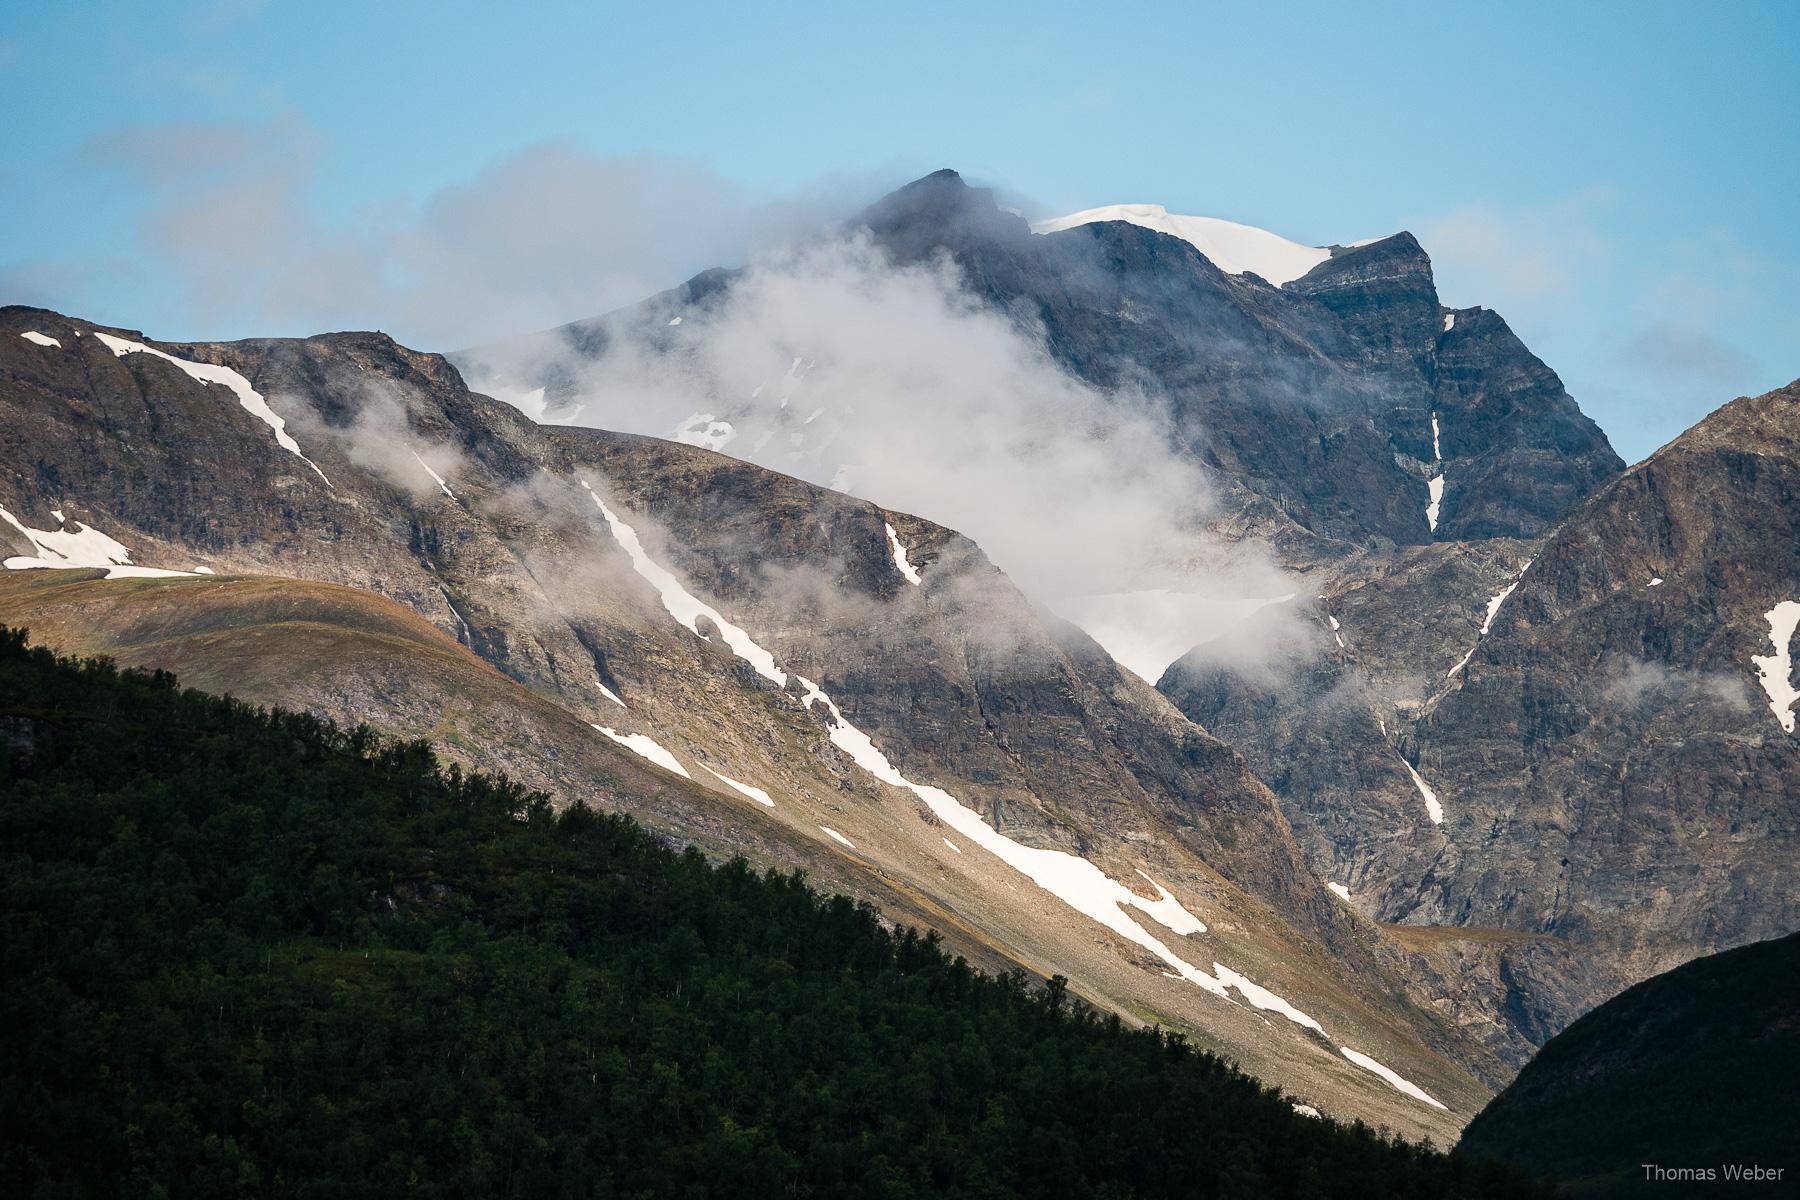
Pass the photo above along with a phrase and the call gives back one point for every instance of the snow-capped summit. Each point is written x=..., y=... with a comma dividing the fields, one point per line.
x=1231, y=247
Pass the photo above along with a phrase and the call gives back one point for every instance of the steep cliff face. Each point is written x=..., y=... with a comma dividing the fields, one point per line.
x=1621, y=744
x=1607, y=738
x=840, y=682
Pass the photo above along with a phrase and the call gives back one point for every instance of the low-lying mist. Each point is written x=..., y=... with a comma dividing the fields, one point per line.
x=898, y=385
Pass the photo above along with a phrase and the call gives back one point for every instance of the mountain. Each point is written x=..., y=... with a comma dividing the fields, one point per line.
x=248, y=951
x=1621, y=741
x=1400, y=459
x=1370, y=387
x=1501, y=729
x=338, y=523
x=1692, y=1071
x=1543, y=817
x=1608, y=738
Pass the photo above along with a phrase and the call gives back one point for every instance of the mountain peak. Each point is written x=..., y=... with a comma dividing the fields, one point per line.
x=938, y=209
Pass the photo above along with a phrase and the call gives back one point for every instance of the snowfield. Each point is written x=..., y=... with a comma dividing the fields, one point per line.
x=901, y=563
x=645, y=746
x=1235, y=249
x=1433, y=809
x=79, y=547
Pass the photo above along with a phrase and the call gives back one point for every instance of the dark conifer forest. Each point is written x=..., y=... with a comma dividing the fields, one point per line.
x=248, y=953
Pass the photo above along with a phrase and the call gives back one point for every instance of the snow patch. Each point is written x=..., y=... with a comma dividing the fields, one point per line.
x=1401, y=1084
x=1435, y=486
x=1340, y=891
x=1449, y=322
x=1495, y=601
x=646, y=746
x=755, y=793
x=953, y=845
x=438, y=479
x=1335, y=628
x=1655, y=581
x=1432, y=808
x=1263, y=998
x=1776, y=671
x=1235, y=249
x=674, y=320
x=606, y=691
x=203, y=570
x=683, y=605
x=248, y=397
x=1487, y=622
x=901, y=562
x=833, y=834
x=704, y=431
x=1437, y=441
x=79, y=547
x=41, y=339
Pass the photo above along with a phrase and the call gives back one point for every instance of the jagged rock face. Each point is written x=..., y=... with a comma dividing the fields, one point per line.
x=1616, y=787
x=1058, y=720
x=1523, y=451
x=1623, y=780
x=1328, y=726
x=401, y=482
x=1311, y=403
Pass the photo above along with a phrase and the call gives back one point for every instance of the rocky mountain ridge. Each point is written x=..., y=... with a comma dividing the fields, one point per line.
x=761, y=639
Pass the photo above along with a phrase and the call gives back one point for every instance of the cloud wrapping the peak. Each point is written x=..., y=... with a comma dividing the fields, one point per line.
x=899, y=385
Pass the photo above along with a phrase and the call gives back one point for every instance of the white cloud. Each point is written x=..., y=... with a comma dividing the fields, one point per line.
x=833, y=364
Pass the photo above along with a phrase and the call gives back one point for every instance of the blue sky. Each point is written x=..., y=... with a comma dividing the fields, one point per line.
x=1619, y=180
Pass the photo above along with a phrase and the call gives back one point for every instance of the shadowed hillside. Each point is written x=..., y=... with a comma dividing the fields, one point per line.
x=1696, y=1069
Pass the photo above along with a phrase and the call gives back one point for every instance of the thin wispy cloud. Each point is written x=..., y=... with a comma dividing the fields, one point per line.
x=550, y=233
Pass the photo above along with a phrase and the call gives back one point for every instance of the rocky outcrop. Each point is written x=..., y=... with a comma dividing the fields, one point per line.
x=1623, y=777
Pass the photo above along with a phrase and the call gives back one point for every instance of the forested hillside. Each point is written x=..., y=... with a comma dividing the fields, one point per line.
x=248, y=953
x=1696, y=1069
